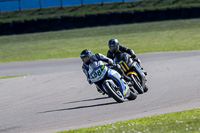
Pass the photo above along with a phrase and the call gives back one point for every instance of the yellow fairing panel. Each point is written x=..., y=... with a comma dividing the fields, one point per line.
x=126, y=65
x=123, y=68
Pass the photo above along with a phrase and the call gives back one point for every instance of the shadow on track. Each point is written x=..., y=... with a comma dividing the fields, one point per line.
x=79, y=107
x=94, y=99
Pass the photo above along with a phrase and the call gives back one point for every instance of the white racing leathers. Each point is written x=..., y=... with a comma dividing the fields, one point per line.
x=94, y=58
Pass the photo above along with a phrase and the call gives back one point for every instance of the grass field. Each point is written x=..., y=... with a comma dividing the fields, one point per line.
x=143, y=37
x=94, y=8
x=177, y=122
x=11, y=76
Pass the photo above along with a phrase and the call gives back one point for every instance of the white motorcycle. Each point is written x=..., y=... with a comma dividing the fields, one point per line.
x=110, y=81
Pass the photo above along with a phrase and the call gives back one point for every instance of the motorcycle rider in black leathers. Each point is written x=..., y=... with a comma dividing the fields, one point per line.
x=87, y=57
x=114, y=47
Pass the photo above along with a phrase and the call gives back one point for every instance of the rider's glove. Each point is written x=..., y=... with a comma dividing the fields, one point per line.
x=110, y=62
x=133, y=56
x=137, y=60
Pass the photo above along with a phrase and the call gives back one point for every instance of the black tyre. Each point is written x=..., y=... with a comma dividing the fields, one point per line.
x=136, y=84
x=132, y=96
x=113, y=93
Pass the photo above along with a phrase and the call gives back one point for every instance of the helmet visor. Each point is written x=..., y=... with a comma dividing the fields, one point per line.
x=85, y=59
x=113, y=49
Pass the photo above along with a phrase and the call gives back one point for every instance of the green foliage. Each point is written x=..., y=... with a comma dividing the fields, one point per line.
x=179, y=122
x=143, y=37
x=78, y=10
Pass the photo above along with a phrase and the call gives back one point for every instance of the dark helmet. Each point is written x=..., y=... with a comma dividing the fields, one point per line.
x=113, y=45
x=86, y=53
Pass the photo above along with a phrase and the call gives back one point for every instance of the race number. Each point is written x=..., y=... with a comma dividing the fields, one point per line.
x=97, y=73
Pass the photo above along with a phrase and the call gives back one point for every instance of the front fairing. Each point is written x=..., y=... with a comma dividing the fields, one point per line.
x=94, y=64
x=97, y=71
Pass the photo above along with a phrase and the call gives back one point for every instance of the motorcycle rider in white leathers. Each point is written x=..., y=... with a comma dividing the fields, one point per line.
x=87, y=57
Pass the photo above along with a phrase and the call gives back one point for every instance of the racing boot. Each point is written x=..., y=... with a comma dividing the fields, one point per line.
x=99, y=90
x=145, y=73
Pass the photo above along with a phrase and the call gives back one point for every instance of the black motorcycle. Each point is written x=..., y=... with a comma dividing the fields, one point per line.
x=133, y=70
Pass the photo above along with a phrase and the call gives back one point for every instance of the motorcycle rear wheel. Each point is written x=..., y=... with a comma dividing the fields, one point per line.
x=132, y=96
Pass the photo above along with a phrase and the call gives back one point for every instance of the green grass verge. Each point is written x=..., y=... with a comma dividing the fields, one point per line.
x=142, y=37
x=94, y=8
x=11, y=76
x=177, y=122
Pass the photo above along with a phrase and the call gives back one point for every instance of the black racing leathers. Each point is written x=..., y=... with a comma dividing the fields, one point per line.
x=123, y=49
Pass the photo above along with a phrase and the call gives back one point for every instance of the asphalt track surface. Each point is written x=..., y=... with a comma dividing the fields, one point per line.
x=56, y=96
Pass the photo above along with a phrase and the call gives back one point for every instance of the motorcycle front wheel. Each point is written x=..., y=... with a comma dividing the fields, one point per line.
x=115, y=94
